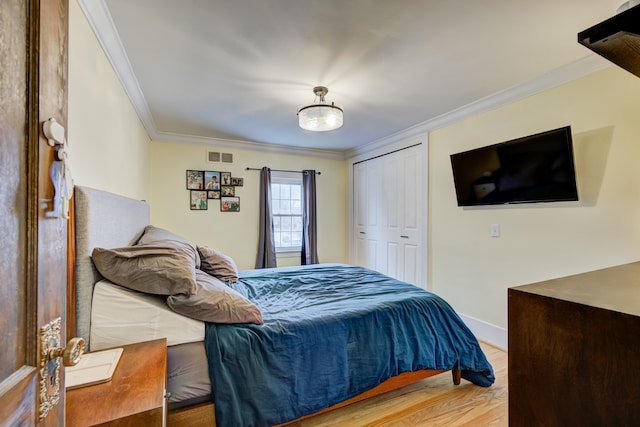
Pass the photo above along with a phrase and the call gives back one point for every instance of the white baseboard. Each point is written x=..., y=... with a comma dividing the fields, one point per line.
x=487, y=332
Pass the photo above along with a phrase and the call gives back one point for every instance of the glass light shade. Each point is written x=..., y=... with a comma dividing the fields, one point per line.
x=320, y=117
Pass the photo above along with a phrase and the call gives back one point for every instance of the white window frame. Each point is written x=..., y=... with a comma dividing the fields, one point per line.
x=291, y=178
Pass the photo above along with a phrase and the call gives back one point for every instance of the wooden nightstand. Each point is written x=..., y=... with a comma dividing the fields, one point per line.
x=133, y=397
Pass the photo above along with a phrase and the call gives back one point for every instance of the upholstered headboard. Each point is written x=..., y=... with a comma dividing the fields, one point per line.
x=104, y=220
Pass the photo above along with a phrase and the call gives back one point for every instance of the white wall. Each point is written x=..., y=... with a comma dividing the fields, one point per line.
x=108, y=146
x=472, y=270
x=236, y=233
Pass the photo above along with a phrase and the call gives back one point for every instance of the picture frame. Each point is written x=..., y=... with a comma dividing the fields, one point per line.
x=198, y=200
x=195, y=180
x=225, y=178
x=229, y=204
x=213, y=194
x=237, y=182
x=211, y=180
x=227, y=191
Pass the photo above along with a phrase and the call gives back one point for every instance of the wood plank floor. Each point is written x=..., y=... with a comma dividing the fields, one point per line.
x=434, y=401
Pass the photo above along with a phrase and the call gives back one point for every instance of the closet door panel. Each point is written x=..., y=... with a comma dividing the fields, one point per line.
x=359, y=196
x=411, y=264
x=393, y=257
x=404, y=220
x=411, y=188
x=368, y=238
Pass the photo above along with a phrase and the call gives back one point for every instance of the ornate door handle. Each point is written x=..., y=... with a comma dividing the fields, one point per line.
x=50, y=355
x=71, y=354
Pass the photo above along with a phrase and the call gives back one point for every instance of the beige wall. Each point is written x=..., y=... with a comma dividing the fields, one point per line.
x=236, y=234
x=110, y=150
x=472, y=270
x=108, y=146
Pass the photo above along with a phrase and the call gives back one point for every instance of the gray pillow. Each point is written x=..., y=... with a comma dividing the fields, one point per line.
x=154, y=269
x=215, y=302
x=157, y=235
x=217, y=264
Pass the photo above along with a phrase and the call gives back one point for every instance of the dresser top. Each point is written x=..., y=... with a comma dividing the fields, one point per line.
x=614, y=288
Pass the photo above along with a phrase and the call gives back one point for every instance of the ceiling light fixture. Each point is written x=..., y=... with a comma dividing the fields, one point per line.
x=320, y=116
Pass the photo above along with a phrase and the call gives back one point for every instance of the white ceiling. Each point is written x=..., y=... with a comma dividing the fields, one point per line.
x=238, y=70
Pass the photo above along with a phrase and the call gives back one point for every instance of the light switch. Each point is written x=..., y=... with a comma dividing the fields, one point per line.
x=495, y=230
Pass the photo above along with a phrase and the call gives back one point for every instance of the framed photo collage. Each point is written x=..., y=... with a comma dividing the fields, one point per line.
x=207, y=186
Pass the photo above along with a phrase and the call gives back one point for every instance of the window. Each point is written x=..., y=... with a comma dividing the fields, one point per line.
x=286, y=204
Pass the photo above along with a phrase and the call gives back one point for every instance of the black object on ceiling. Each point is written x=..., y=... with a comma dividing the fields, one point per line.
x=617, y=39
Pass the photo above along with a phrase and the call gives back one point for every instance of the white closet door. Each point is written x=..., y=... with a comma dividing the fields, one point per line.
x=388, y=219
x=367, y=200
x=403, y=225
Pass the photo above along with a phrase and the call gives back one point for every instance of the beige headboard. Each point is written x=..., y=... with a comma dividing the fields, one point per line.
x=104, y=220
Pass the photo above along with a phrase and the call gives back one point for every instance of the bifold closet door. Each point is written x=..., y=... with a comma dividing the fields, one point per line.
x=403, y=220
x=368, y=210
x=388, y=217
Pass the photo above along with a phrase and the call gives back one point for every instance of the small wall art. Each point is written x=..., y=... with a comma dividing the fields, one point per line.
x=230, y=204
x=225, y=178
x=195, y=180
x=199, y=200
x=228, y=191
x=212, y=180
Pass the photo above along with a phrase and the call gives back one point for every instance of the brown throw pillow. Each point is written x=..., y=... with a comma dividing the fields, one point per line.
x=217, y=264
x=154, y=269
x=215, y=302
x=156, y=235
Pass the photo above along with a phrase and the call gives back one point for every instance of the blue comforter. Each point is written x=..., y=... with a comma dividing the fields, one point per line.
x=330, y=332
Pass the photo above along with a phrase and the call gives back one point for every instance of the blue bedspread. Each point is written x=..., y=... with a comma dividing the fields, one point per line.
x=330, y=332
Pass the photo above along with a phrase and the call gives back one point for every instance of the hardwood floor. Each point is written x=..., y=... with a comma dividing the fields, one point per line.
x=431, y=402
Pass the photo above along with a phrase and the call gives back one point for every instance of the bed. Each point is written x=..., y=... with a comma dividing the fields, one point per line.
x=301, y=340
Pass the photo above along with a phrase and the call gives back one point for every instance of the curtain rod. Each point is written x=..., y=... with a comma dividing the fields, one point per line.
x=280, y=170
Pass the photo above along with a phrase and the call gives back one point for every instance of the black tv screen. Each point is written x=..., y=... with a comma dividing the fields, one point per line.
x=535, y=168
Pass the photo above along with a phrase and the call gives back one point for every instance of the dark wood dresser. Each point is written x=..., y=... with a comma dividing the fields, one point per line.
x=574, y=350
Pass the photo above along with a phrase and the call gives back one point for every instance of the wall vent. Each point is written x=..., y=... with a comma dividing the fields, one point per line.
x=227, y=158
x=213, y=156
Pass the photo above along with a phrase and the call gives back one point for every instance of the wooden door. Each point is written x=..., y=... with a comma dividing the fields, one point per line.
x=33, y=88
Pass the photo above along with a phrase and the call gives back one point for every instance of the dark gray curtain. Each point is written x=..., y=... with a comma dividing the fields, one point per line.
x=309, y=253
x=266, y=246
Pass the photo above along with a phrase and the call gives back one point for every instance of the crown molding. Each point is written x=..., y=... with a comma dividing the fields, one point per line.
x=574, y=70
x=248, y=145
x=100, y=20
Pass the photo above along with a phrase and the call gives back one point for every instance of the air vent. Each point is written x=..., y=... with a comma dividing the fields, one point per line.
x=213, y=156
x=227, y=158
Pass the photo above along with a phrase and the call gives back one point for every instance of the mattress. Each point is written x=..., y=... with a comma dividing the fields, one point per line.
x=121, y=316
x=187, y=375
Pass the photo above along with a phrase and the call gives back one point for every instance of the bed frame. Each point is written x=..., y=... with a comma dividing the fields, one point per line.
x=102, y=219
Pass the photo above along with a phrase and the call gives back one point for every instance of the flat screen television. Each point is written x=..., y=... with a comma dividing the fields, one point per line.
x=531, y=169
